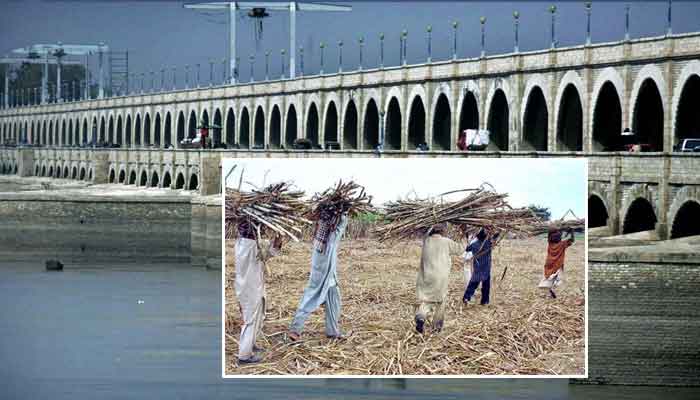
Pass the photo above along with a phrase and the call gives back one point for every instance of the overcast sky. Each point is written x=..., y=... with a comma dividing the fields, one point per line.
x=162, y=33
x=559, y=184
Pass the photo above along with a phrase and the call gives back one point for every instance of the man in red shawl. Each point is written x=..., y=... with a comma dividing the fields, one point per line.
x=554, y=265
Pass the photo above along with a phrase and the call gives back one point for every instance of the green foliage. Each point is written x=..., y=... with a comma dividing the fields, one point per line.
x=368, y=217
x=540, y=211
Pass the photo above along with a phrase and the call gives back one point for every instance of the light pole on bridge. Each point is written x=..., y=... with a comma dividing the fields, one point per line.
x=301, y=61
x=174, y=78
x=669, y=30
x=267, y=65
x=455, y=25
x=211, y=72
x=516, y=22
x=340, y=56
x=252, y=67
x=428, y=30
x=627, y=22
x=282, y=52
x=404, y=37
x=197, y=81
x=587, y=5
x=187, y=76
x=162, y=79
x=482, y=21
x=381, y=50
x=361, y=42
x=322, y=45
x=553, y=11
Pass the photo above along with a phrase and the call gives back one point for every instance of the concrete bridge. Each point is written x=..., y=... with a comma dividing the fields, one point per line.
x=557, y=102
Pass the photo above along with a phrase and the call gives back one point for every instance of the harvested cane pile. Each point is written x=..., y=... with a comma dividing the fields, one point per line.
x=576, y=224
x=345, y=197
x=276, y=209
x=480, y=208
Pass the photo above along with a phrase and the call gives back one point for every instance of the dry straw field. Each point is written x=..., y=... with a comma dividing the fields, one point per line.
x=520, y=332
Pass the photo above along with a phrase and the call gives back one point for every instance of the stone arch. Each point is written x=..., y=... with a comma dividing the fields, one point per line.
x=143, y=178
x=66, y=171
x=534, y=114
x=291, y=129
x=168, y=130
x=639, y=210
x=193, y=183
x=259, y=128
x=350, y=125
x=312, y=124
x=683, y=214
x=499, y=114
x=216, y=139
x=441, y=111
x=468, y=106
x=330, y=123
x=181, y=129
x=370, y=137
x=120, y=132
x=598, y=214
x=110, y=130
x=157, y=130
x=230, y=132
x=167, y=180
x=128, y=131
x=686, y=97
x=137, y=130
x=244, y=128
x=132, y=177
x=147, y=129
x=154, y=179
x=94, y=132
x=569, y=112
x=112, y=175
x=648, y=107
x=275, y=125
x=83, y=173
x=180, y=181
x=192, y=125
x=102, y=137
x=416, y=122
x=606, y=121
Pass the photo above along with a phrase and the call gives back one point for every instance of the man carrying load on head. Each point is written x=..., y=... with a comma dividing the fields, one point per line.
x=323, y=280
x=480, y=251
x=433, y=276
x=554, y=264
x=250, y=258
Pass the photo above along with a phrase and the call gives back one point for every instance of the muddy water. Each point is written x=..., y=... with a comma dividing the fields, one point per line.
x=115, y=331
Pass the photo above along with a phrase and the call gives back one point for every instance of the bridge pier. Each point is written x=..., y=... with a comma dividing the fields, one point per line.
x=25, y=162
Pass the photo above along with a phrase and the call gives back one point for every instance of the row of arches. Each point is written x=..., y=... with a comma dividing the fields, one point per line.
x=640, y=216
x=146, y=178
x=405, y=122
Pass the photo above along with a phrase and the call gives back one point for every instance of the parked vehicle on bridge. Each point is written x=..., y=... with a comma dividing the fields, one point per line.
x=688, y=145
x=473, y=139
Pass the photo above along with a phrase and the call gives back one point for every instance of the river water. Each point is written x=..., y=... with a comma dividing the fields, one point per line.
x=153, y=331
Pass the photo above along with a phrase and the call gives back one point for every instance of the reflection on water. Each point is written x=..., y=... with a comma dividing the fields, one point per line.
x=153, y=331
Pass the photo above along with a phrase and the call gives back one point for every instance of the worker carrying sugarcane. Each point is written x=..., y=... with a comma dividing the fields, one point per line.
x=433, y=277
x=554, y=264
x=479, y=251
x=323, y=279
x=250, y=258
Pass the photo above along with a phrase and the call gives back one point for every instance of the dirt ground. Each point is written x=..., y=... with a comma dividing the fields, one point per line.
x=520, y=332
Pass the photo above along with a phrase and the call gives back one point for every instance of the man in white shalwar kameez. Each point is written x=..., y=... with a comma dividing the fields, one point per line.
x=323, y=280
x=251, y=256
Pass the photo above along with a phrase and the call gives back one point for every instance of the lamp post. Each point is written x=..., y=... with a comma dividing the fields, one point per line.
x=340, y=56
x=482, y=20
x=197, y=77
x=669, y=30
x=211, y=72
x=627, y=22
x=587, y=5
x=322, y=45
x=553, y=11
x=153, y=81
x=301, y=61
x=223, y=71
x=428, y=30
x=455, y=25
x=404, y=36
x=282, y=53
x=267, y=65
x=174, y=78
x=381, y=50
x=143, y=79
x=252, y=65
x=516, y=22
x=361, y=42
x=187, y=76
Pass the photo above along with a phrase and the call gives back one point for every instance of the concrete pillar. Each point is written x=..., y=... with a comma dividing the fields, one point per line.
x=614, y=220
x=100, y=166
x=209, y=173
x=586, y=98
x=25, y=162
x=662, y=224
x=198, y=229
x=517, y=87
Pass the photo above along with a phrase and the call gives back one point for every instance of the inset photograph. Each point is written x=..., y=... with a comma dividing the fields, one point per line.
x=397, y=267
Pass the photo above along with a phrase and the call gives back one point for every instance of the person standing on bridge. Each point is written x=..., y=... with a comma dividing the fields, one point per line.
x=322, y=287
x=554, y=264
x=250, y=257
x=433, y=277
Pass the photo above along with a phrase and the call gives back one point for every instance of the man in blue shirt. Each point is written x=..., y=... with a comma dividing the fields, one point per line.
x=480, y=250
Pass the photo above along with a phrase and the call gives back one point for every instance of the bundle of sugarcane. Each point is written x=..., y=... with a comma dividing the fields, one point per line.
x=345, y=197
x=276, y=209
x=480, y=208
x=576, y=224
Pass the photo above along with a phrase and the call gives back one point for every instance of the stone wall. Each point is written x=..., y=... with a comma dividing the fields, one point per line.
x=91, y=229
x=644, y=323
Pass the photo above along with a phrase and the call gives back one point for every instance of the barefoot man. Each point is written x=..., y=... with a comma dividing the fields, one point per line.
x=554, y=265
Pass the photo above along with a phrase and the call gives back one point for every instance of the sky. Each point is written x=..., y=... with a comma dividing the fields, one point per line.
x=163, y=34
x=560, y=184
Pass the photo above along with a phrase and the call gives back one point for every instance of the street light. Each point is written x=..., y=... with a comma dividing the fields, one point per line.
x=267, y=65
x=587, y=5
x=482, y=20
x=252, y=64
x=322, y=45
x=553, y=11
x=669, y=31
x=282, y=54
x=361, y=42
x=455, y=24
x=428, y=30
x=627, y=22
x=516, y=21
x=404, y=36
x=301, y=61
x=187, y=76
x=381, y=50
x=340, y=56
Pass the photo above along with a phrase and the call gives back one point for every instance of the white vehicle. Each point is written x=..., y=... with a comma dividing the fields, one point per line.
x=474, y=139
x=688, y=145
